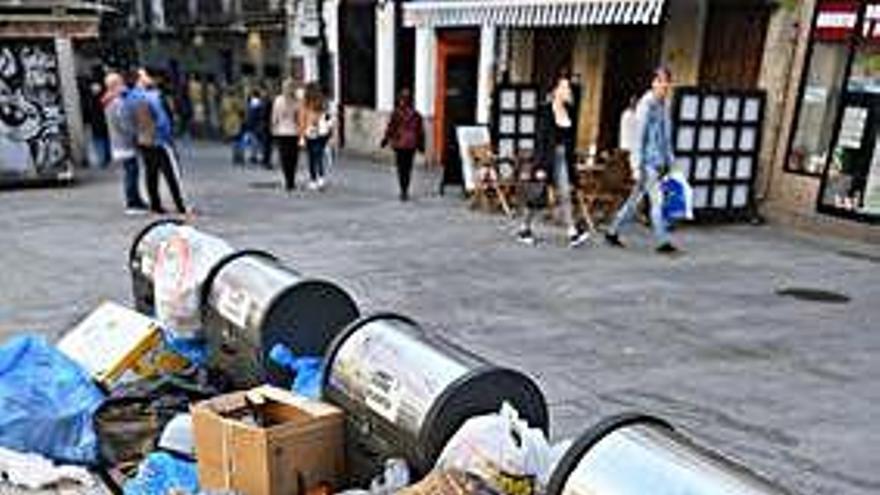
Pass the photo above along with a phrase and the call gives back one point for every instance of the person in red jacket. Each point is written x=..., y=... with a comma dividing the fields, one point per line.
x=406, y=135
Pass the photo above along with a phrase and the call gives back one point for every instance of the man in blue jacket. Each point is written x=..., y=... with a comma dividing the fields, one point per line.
x=155, y=139
x=653, y=153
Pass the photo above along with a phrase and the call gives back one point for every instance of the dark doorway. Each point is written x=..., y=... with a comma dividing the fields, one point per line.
x=552, y=52
x=456, y=96
x=406, y=60
x=734, y=44
x=632, y=54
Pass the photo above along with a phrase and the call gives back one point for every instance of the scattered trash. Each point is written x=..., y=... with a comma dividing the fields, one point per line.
x=177, y=437
x=449, y=482
x=33, y=471
x=308, y=371
x=268, y=441
x=394, y=478
x=131, y=420
x=117, y=345
x=502, y=450
x=47, y=402
x=164, y=473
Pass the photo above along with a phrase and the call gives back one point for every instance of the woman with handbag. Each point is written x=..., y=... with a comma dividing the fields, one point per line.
x=317, y=126
x=406, y=135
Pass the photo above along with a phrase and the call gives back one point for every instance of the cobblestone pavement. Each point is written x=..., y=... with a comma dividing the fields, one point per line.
x=788, y=387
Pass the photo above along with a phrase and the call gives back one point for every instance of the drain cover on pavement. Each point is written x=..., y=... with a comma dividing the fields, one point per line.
x=813, y=295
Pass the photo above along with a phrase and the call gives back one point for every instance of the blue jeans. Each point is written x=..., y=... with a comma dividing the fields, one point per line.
x=131, y=169
x=648, y=184
x=316, y=156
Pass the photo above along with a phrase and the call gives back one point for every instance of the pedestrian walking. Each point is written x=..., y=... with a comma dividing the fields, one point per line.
x=653, y=153
x=564, y=172
x=98, y=125
x=405, y=134
x=266, y=130
x=156, y=143
x=286, y=131
x=317, y=126
x=628, y=129
x=255, y=126
x=122, y=130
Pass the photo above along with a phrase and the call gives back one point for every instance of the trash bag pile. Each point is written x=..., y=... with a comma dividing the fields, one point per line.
x=126, y=396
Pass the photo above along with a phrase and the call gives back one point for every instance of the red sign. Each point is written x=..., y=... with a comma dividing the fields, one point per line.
x=836, y=20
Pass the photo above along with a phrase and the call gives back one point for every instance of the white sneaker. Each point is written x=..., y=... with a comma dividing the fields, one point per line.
x=577, y=239
x=313, y=186
x=321, y=183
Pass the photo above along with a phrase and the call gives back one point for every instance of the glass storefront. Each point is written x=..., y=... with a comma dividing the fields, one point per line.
x=837, y=136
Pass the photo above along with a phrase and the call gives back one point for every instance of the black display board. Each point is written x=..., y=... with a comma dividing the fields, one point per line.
x=515, y=118
x=717, y=138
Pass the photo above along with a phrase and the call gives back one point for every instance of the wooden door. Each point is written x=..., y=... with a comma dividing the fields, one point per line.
x=456, y=99
x=733, y=46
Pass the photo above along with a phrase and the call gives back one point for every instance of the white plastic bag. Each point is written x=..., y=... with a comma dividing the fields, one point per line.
x=501, y=449
x=182, y=264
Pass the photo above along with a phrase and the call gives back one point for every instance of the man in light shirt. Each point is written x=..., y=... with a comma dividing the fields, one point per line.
x=652, y=152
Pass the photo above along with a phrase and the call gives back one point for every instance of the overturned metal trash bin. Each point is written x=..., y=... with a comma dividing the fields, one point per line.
x=634, y=454
x=252, y=302
x=406, y=394
x=142, y=256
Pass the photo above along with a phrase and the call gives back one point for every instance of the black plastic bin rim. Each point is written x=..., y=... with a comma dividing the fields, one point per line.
x=338, y=341
x=594, y=435
x=474, y=373
x=222, y=262
x=305, y=284
x=132, y=251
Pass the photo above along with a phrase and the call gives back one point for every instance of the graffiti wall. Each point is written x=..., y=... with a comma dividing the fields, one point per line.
x=34, y=139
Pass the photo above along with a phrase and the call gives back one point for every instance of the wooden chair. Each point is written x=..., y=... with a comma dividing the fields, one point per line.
x=489, y=186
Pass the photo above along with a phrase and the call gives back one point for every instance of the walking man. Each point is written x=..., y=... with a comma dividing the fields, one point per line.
x=155, y=142
x=121, y=127
x=652, y=152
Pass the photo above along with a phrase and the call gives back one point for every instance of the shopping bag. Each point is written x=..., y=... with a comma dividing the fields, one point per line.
x=503, y=450
x=677, y=197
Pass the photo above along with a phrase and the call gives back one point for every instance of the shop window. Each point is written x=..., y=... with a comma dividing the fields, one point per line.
x=852, y=181
x=817, y=113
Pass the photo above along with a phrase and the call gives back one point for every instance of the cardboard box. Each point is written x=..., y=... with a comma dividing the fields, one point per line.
x=115, y=344
x=298, y=447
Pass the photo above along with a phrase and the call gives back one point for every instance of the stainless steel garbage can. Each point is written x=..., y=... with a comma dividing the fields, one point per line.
x=142, y=256
x=634, y=454
x=252, y=302
x=406, y=393
x=141, y=261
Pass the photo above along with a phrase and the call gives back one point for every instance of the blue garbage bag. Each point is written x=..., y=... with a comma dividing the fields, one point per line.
x=47, y=402
x=307, y=370
x=161, y=472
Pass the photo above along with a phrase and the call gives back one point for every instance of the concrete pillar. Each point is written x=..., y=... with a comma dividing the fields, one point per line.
x=486, y=74
x=70, y=98
x=385, y=63
x=426, y=70
x=331, y=23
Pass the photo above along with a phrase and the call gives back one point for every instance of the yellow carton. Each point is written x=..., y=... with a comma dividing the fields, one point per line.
x=116, y=344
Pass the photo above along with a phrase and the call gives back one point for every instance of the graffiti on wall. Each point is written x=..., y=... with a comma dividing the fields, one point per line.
x=33, y=127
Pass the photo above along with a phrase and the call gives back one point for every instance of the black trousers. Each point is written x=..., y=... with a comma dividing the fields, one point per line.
x=404, y=159
x=162, y=159
x=266, y=141
x=288, y=149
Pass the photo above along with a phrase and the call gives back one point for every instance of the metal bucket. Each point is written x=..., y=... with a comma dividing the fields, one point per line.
x=634, y=454
x=252, y=302
x=406, y=393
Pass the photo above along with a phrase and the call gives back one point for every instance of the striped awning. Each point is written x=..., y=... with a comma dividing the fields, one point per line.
x=531, y=13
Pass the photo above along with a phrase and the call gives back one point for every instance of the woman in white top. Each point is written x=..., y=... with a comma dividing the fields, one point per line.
x=286, y=131
x=628, y=128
